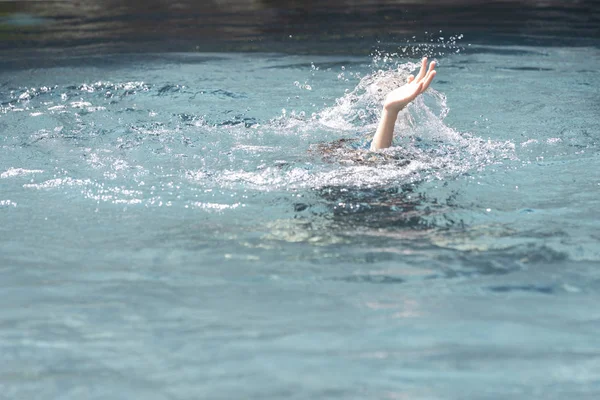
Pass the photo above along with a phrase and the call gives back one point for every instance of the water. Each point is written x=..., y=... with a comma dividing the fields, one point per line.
x=183, y=226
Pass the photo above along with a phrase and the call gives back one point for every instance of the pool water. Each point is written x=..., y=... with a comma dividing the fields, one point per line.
x=184, y=226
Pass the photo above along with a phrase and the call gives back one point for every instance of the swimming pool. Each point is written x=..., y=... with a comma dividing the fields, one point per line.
x=170, y=227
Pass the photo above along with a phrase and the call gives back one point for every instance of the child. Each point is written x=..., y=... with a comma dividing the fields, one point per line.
x=397, y=100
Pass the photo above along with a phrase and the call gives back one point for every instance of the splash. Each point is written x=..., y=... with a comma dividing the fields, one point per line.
x=425, y=148
x=116, y=132
x=431, y=44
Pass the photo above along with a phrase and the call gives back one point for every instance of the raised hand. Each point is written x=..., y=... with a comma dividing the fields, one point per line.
x=399, y=98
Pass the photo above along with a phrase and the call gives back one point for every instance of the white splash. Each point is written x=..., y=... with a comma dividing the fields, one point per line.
x=12, y=172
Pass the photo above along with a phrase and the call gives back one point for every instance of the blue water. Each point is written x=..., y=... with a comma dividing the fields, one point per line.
x=186, y=226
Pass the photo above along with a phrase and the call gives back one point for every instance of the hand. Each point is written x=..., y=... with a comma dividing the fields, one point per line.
x=402, y=96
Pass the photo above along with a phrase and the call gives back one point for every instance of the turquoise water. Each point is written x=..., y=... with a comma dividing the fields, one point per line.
x=176, y=226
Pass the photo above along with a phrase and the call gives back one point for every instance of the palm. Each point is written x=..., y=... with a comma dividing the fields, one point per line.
x=399, y=98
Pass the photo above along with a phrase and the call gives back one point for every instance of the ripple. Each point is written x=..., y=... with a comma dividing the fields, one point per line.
x=216, y=207
x=525, y=69
x=228, y=94
x=59, y=182
x=13, y=172
x=371, y=278
x=523, y=288
x=7, y=203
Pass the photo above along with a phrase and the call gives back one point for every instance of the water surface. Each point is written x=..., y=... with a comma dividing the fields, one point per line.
x=171, y=228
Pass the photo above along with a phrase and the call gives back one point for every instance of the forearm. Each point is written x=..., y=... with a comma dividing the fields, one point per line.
x=385, y=130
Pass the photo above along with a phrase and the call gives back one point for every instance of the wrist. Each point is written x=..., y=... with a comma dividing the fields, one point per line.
x=390, y=112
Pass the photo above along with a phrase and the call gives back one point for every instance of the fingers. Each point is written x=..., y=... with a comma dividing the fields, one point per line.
x=431, y=68
x=410, y=78
x=423, y=69
x=428, y=78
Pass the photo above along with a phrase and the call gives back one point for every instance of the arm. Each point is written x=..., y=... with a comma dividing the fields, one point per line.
x=397, y=100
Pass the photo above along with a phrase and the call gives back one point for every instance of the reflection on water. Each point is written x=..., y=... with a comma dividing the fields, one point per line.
x=268, y=25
